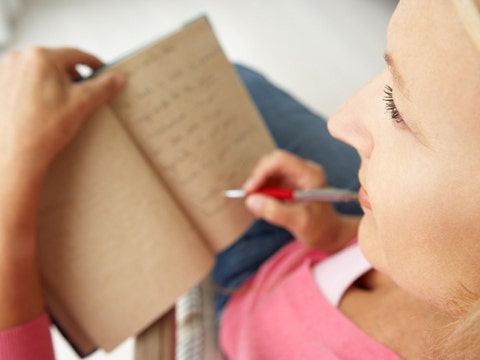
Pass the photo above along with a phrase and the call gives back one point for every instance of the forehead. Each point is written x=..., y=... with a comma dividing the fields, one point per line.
x=434, y=56
x=431, y=32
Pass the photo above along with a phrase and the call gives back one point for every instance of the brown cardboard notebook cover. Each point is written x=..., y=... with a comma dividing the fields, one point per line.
x=132, y=211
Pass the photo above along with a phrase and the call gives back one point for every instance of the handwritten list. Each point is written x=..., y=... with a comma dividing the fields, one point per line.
x=181, y=104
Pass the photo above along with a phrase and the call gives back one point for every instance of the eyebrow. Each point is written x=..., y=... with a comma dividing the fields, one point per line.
x=396, y=74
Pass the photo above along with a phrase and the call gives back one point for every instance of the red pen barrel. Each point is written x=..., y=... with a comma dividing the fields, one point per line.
x=278, y=193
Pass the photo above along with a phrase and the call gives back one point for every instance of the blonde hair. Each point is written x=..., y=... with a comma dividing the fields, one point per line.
x=469, y=12
x=459, y=339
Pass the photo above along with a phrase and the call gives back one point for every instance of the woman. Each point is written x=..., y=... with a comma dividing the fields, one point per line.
x=416, y=130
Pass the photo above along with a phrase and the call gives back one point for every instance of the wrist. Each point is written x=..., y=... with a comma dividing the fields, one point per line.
x=19, y=193
x=341, y=231
x=349, y=229
x=23, y=168
x=20, y=291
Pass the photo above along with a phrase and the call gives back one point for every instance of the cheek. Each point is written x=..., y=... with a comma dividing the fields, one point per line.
x=386, y=175
x=421, y=231
x=393, y=232
x=395, y=238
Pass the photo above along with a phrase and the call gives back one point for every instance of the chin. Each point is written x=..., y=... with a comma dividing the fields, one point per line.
x=370, y=244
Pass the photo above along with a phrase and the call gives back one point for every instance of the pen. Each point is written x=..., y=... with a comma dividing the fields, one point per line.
x=328, y=194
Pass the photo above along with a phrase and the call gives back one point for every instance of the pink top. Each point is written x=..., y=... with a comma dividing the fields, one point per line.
x=281, y=314
x=27, y=342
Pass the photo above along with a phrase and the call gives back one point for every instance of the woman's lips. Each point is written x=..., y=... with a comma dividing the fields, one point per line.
x=363, y=198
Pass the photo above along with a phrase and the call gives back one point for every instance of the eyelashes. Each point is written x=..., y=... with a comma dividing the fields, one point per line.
x=390, y=104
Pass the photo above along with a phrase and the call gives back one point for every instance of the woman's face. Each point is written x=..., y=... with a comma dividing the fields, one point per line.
x=420, y=148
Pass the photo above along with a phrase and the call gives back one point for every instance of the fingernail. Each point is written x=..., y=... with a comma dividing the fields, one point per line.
x=254, y=203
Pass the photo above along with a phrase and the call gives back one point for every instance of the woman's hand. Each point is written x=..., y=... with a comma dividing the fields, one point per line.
x=314, y=223
x=41, y=110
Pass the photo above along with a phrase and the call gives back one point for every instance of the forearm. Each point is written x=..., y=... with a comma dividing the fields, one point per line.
x=20, y=291
x=39, y=115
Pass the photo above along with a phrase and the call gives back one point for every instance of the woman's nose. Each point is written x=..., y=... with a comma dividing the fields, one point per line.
x=354, y=122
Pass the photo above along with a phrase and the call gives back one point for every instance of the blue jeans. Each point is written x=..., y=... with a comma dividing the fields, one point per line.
x=298, y=130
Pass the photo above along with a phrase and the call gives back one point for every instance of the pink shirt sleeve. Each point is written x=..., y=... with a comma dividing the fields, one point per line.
x=28, y=341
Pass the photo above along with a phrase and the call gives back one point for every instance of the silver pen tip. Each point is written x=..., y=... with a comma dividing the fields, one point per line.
x=235, y=194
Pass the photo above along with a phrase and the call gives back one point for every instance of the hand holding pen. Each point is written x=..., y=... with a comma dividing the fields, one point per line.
x=288, y=177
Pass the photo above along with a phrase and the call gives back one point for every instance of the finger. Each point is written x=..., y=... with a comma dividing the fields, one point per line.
x=69, y=58
x=318, y=178
x=90, y=94
x=285, y=169
x=74, y=74
x=10, y=57
x=302, y=221
x=269, y=167
x=274, y=211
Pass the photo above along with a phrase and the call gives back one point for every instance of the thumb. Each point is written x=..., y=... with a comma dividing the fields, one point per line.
x=91, y=94
x=271, y=210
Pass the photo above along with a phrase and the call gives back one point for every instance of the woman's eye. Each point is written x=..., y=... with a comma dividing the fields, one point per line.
x=390, y=105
